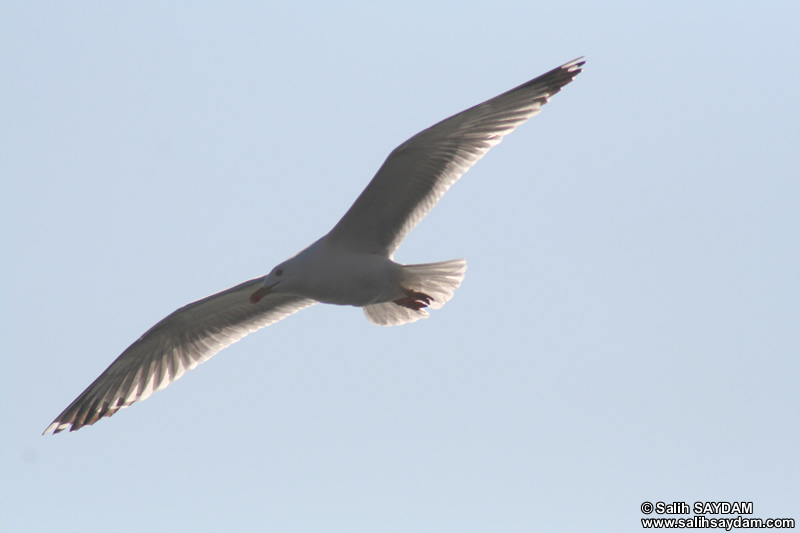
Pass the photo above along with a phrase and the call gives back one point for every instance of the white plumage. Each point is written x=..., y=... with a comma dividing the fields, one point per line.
x=351, y=265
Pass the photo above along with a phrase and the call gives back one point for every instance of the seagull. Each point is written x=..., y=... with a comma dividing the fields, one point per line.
x=351, y=265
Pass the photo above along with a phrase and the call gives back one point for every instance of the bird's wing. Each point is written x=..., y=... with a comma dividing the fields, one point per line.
x=418, y=172
x=180, y=342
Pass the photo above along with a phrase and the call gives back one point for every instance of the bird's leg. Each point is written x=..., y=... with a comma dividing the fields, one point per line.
x=414, y=300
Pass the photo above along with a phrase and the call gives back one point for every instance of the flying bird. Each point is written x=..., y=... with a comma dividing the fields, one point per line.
x=351, y=265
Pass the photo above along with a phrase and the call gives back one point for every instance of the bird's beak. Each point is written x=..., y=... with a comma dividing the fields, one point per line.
x=261, y=292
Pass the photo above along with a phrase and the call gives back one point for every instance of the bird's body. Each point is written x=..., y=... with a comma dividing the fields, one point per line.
x=347, y=277
x=351, y=265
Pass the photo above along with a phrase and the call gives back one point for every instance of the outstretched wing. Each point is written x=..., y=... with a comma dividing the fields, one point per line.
x=180, y=342
x=418, y=172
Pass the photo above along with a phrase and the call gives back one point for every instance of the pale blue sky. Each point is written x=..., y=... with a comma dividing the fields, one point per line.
x=627, y=330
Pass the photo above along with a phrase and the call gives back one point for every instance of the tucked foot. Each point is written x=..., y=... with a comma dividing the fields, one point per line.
x=414, y=300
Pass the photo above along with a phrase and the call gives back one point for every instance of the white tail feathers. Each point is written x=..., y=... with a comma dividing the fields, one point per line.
x=437, y=280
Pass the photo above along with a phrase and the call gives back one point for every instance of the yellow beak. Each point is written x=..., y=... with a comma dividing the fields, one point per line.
x=260, y=293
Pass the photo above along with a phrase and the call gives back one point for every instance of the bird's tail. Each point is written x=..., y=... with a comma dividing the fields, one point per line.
x=436, y=281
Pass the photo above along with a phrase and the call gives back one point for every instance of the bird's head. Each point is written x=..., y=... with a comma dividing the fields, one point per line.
x=277, y=275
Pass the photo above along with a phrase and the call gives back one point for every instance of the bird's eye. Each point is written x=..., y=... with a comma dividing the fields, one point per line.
x=279, y=272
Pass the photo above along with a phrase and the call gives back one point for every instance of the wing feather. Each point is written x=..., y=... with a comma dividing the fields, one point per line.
x=177, y=344
x=418, y=172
